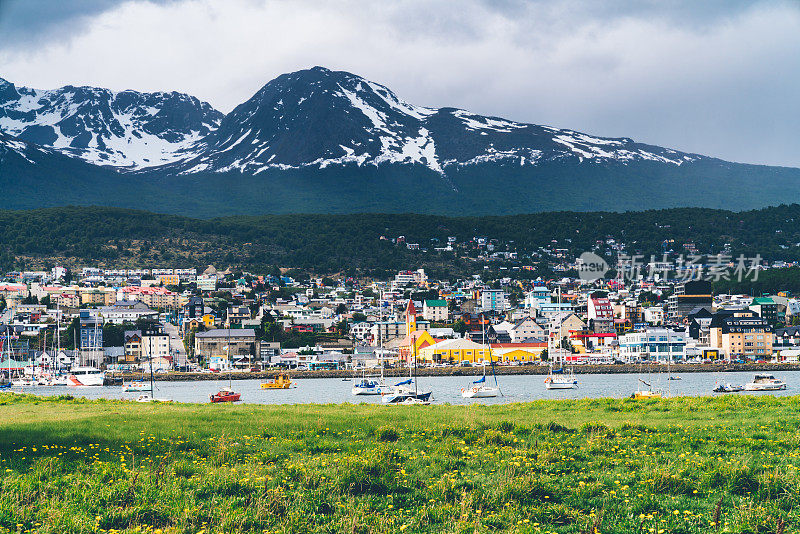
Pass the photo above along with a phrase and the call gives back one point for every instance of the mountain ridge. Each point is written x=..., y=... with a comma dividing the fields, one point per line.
x=327, y=141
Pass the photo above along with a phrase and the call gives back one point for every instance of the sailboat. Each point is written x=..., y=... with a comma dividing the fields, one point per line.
x=148, y=397
x=479, y=389
x=5, y=380
x=404, y=393
x=367, y=385
x=557, y=379
x=135, y=386
x=649, y=393
x=226, y=394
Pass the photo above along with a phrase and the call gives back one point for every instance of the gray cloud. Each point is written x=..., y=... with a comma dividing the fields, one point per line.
x=718, y=77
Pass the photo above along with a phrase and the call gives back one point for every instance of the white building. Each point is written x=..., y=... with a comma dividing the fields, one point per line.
x=361, y=331
x=654, y=315
x=435, y=310
x=127, y=311
x=407, y=278
x=538, y=296
x=659, y=344
x=493, y=300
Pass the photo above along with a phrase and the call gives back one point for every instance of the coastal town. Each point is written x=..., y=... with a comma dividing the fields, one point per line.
x=215, y=321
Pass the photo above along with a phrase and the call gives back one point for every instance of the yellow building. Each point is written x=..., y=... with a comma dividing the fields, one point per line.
x=455, y=350
x=207, y=320
x=517, y=352
x=99, y=296
x=169, y=279
x=411, y=344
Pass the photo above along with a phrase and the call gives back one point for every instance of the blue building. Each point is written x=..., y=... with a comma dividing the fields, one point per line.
x=91, y=333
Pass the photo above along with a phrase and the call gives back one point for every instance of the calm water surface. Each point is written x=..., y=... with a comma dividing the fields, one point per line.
x=446, y=389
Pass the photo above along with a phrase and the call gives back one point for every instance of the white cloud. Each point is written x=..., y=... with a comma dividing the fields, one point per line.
x=720, y=82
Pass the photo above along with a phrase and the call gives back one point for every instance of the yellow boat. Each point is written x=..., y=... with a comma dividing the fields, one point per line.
x=647, y=395
x=282, y=381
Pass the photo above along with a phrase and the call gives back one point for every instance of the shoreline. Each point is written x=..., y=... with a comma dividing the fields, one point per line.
x=541, y=370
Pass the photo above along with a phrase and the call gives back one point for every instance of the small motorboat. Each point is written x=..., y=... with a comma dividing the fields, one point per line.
x=368, y=386
x=728, y=388
x=225, y=395
x=282, y=381
x=646, y=394
x=556, y=380
x=765, y=383
x=674, y=378
x=137, y=385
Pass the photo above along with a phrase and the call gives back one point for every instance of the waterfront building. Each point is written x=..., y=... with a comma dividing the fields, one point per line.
x=655, y=343
x=741, y=334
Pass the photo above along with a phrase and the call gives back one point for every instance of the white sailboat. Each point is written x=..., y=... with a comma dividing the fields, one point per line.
x=86, y=375
x=367, y=385
x=479, y=389
x=560, y=380
x=403, y=392
x=557, y=379
x=148, y=397
x=5, y=379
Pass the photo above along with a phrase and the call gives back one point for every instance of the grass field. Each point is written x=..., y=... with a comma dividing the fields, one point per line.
x=684, y=465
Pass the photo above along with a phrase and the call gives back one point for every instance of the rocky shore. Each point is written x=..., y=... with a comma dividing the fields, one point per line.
x=473, y=371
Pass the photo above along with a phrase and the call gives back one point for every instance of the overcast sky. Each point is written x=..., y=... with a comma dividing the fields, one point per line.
x=717, y=77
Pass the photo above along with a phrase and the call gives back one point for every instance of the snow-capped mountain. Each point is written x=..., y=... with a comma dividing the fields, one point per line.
x=324, y=141
x=125, y=129
x=320, y=118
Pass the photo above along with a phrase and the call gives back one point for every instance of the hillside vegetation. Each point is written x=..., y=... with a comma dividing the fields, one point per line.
x=351, y=243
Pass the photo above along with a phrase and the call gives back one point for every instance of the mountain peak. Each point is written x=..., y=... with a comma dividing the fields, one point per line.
x=125, y=129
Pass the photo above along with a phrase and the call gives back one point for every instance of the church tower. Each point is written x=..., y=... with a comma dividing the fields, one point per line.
x=411, y=318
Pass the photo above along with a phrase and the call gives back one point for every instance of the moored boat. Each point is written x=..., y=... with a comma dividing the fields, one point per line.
x=282, y=381
x=764, y=382
x=225, y=395
x=85, y=376
x=479, y=389
x=403, y=391
x=138, y=385
x=368, y=386
x=646, y=394
x=555, y=380
x=146, y=397
x=728, y=388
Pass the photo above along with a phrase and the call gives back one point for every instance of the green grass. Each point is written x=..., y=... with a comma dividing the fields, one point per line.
x=685, y=465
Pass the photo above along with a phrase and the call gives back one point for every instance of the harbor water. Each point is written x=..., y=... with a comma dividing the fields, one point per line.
x=446, y=389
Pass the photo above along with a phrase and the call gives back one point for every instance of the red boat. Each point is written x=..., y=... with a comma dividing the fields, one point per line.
x=226, y=395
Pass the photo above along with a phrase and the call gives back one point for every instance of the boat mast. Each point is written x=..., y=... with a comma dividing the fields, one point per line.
x=152, y=388
x=416, y=393
x=380, y=339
